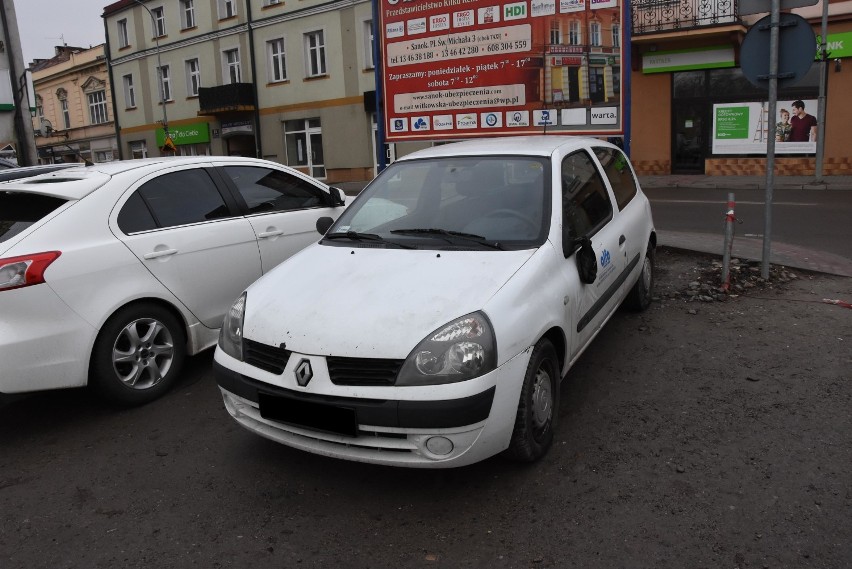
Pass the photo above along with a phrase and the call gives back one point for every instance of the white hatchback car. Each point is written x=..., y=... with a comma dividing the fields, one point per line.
x=111, y=273
x=432, y=324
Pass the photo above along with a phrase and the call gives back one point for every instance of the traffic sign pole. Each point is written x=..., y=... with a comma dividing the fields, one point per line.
x=774, y=21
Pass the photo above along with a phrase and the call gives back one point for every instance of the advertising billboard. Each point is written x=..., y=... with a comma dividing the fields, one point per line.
x=465, y=68
x=744, y=128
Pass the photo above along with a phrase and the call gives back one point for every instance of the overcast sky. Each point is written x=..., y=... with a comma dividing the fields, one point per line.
x=43, y=23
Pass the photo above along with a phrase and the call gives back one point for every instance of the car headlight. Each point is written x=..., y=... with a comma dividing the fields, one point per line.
x=231, y=334
x=463, y=349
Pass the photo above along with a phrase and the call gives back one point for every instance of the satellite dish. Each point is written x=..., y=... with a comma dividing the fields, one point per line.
x=45, y=128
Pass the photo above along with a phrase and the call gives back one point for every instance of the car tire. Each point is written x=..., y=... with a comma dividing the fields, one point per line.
x=639, y=297
x=538, y=406
x=138, y=354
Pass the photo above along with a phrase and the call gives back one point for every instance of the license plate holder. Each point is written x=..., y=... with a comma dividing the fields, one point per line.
x=320, y=416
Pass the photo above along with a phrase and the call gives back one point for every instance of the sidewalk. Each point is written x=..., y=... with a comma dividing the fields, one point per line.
x=746, y=182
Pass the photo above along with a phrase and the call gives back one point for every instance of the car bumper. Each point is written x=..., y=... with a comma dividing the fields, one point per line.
x=43, y=343
x=438, y=426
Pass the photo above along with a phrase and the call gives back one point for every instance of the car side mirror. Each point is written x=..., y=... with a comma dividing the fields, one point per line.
x=338, y=198
x=323, y=224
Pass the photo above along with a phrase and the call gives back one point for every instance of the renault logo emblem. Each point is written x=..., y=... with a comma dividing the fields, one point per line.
x=304, y=373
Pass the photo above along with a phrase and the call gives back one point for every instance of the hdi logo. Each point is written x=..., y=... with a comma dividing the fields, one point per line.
x=516, y=11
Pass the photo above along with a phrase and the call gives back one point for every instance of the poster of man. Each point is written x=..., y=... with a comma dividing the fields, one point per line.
x=803, y=127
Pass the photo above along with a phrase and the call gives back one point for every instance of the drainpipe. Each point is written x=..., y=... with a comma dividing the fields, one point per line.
x=112, y=90
x=258, y=146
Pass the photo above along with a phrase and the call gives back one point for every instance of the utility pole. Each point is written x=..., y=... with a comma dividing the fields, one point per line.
x=26, y=149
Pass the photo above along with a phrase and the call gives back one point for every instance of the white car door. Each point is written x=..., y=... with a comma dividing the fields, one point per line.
x=283, y=208
x=181, y=228
x=587, y=212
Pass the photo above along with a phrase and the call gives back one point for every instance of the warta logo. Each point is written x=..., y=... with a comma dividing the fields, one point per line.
x=516, y=11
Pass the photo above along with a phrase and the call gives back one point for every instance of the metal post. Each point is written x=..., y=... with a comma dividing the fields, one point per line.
x=730, y=218
x=159, y=70
x=823, y=71
x=774, y=21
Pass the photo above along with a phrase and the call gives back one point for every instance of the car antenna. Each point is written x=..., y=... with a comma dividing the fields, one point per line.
x=86, y=161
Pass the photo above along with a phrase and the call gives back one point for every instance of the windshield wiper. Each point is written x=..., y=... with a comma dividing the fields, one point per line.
x=449, y=236
x=356, y=236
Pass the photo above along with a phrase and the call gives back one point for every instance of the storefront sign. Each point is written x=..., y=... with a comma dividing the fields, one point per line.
x=837, y=45
x=185, y=134
x=744, y=128
x=688, y=59
x=237, y=127
x=463, y=68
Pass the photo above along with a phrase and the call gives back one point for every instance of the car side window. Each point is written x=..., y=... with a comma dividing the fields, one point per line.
x=586, y=206
x=184, y=197
x=617, y=170
x=266, y=189
x=135, y=216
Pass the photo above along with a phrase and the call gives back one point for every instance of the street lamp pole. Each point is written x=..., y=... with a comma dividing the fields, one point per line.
x=160, y=84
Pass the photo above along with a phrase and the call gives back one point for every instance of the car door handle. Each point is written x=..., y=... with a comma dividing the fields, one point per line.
x=163, y=253
x=621, y=240
x=266, y=234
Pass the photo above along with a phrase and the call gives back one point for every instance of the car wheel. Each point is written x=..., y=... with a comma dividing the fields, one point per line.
x=639, y=297
x=138, y=354
x=537, y=409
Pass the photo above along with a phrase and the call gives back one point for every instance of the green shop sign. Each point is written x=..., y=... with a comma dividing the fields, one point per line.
x=688, y=59
x=837, y=45
x=185, y=134
x=731, y=123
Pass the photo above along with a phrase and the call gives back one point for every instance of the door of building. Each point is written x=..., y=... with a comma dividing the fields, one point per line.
x=690, y=134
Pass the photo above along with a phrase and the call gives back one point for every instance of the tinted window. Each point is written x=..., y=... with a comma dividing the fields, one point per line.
x=135, y=216
x=618, y=172
x=20, y=210
x=265, y=189
x=585, y=202
x=179, y=198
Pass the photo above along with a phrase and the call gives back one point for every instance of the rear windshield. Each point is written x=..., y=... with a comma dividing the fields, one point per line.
x=20, y=210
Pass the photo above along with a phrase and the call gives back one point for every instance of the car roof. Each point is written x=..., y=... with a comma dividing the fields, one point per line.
x=542, y=145
x=79, y=181
x=30, y=171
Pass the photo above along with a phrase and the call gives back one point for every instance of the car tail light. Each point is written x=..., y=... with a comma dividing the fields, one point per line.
x=28, y=270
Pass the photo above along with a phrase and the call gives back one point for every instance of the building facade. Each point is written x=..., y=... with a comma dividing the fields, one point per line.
x=74, y=119
x=289, y=82
x=695, y=112
x=16, y=134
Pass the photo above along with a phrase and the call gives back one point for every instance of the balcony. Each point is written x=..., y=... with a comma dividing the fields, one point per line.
x=666, y=16
x=226, y=99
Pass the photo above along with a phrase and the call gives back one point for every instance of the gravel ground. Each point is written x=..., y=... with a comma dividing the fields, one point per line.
x=700, y=433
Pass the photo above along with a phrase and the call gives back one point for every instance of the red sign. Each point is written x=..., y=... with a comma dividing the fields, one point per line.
x=466, y=68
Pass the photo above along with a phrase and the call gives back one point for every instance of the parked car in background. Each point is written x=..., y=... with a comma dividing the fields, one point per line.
x=476, y=273
x=18, y=172
x=110, y=274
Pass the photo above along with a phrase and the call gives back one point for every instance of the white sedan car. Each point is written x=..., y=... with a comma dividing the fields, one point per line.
x=432, y=324
x=110, y=274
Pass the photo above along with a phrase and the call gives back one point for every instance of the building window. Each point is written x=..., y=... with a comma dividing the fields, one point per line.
x=129, y=92
x=193, y=77
x=304, y=146
x=66, y=114
x=315, y=53
x=138, y=149
x=123, y=40
x=103, y=156
x=159, y=22
x=616, y=34
x=187, y=11
x=555, y=32
x=165, y=83
x=595, y=33
x=575, y=33
x=369, y=47
x=227, y=9
x=97, y=107
x=231, y=60
x=277, y=61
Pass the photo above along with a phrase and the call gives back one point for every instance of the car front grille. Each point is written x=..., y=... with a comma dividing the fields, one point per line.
x=267, y=358
x=362, y=371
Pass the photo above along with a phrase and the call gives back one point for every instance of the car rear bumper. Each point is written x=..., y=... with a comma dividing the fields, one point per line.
x=439, y=426
x=43, y=343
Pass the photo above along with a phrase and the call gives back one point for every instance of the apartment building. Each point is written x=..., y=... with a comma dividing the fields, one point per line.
x=74, y=118
x=289, y=82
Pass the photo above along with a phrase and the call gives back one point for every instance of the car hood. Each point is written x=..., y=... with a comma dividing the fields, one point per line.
x=371, y=303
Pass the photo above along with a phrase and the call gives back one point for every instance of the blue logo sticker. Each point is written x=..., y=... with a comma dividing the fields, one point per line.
x=605, y=258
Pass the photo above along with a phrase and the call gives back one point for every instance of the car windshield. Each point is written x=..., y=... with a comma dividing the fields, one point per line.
x=494, y=202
